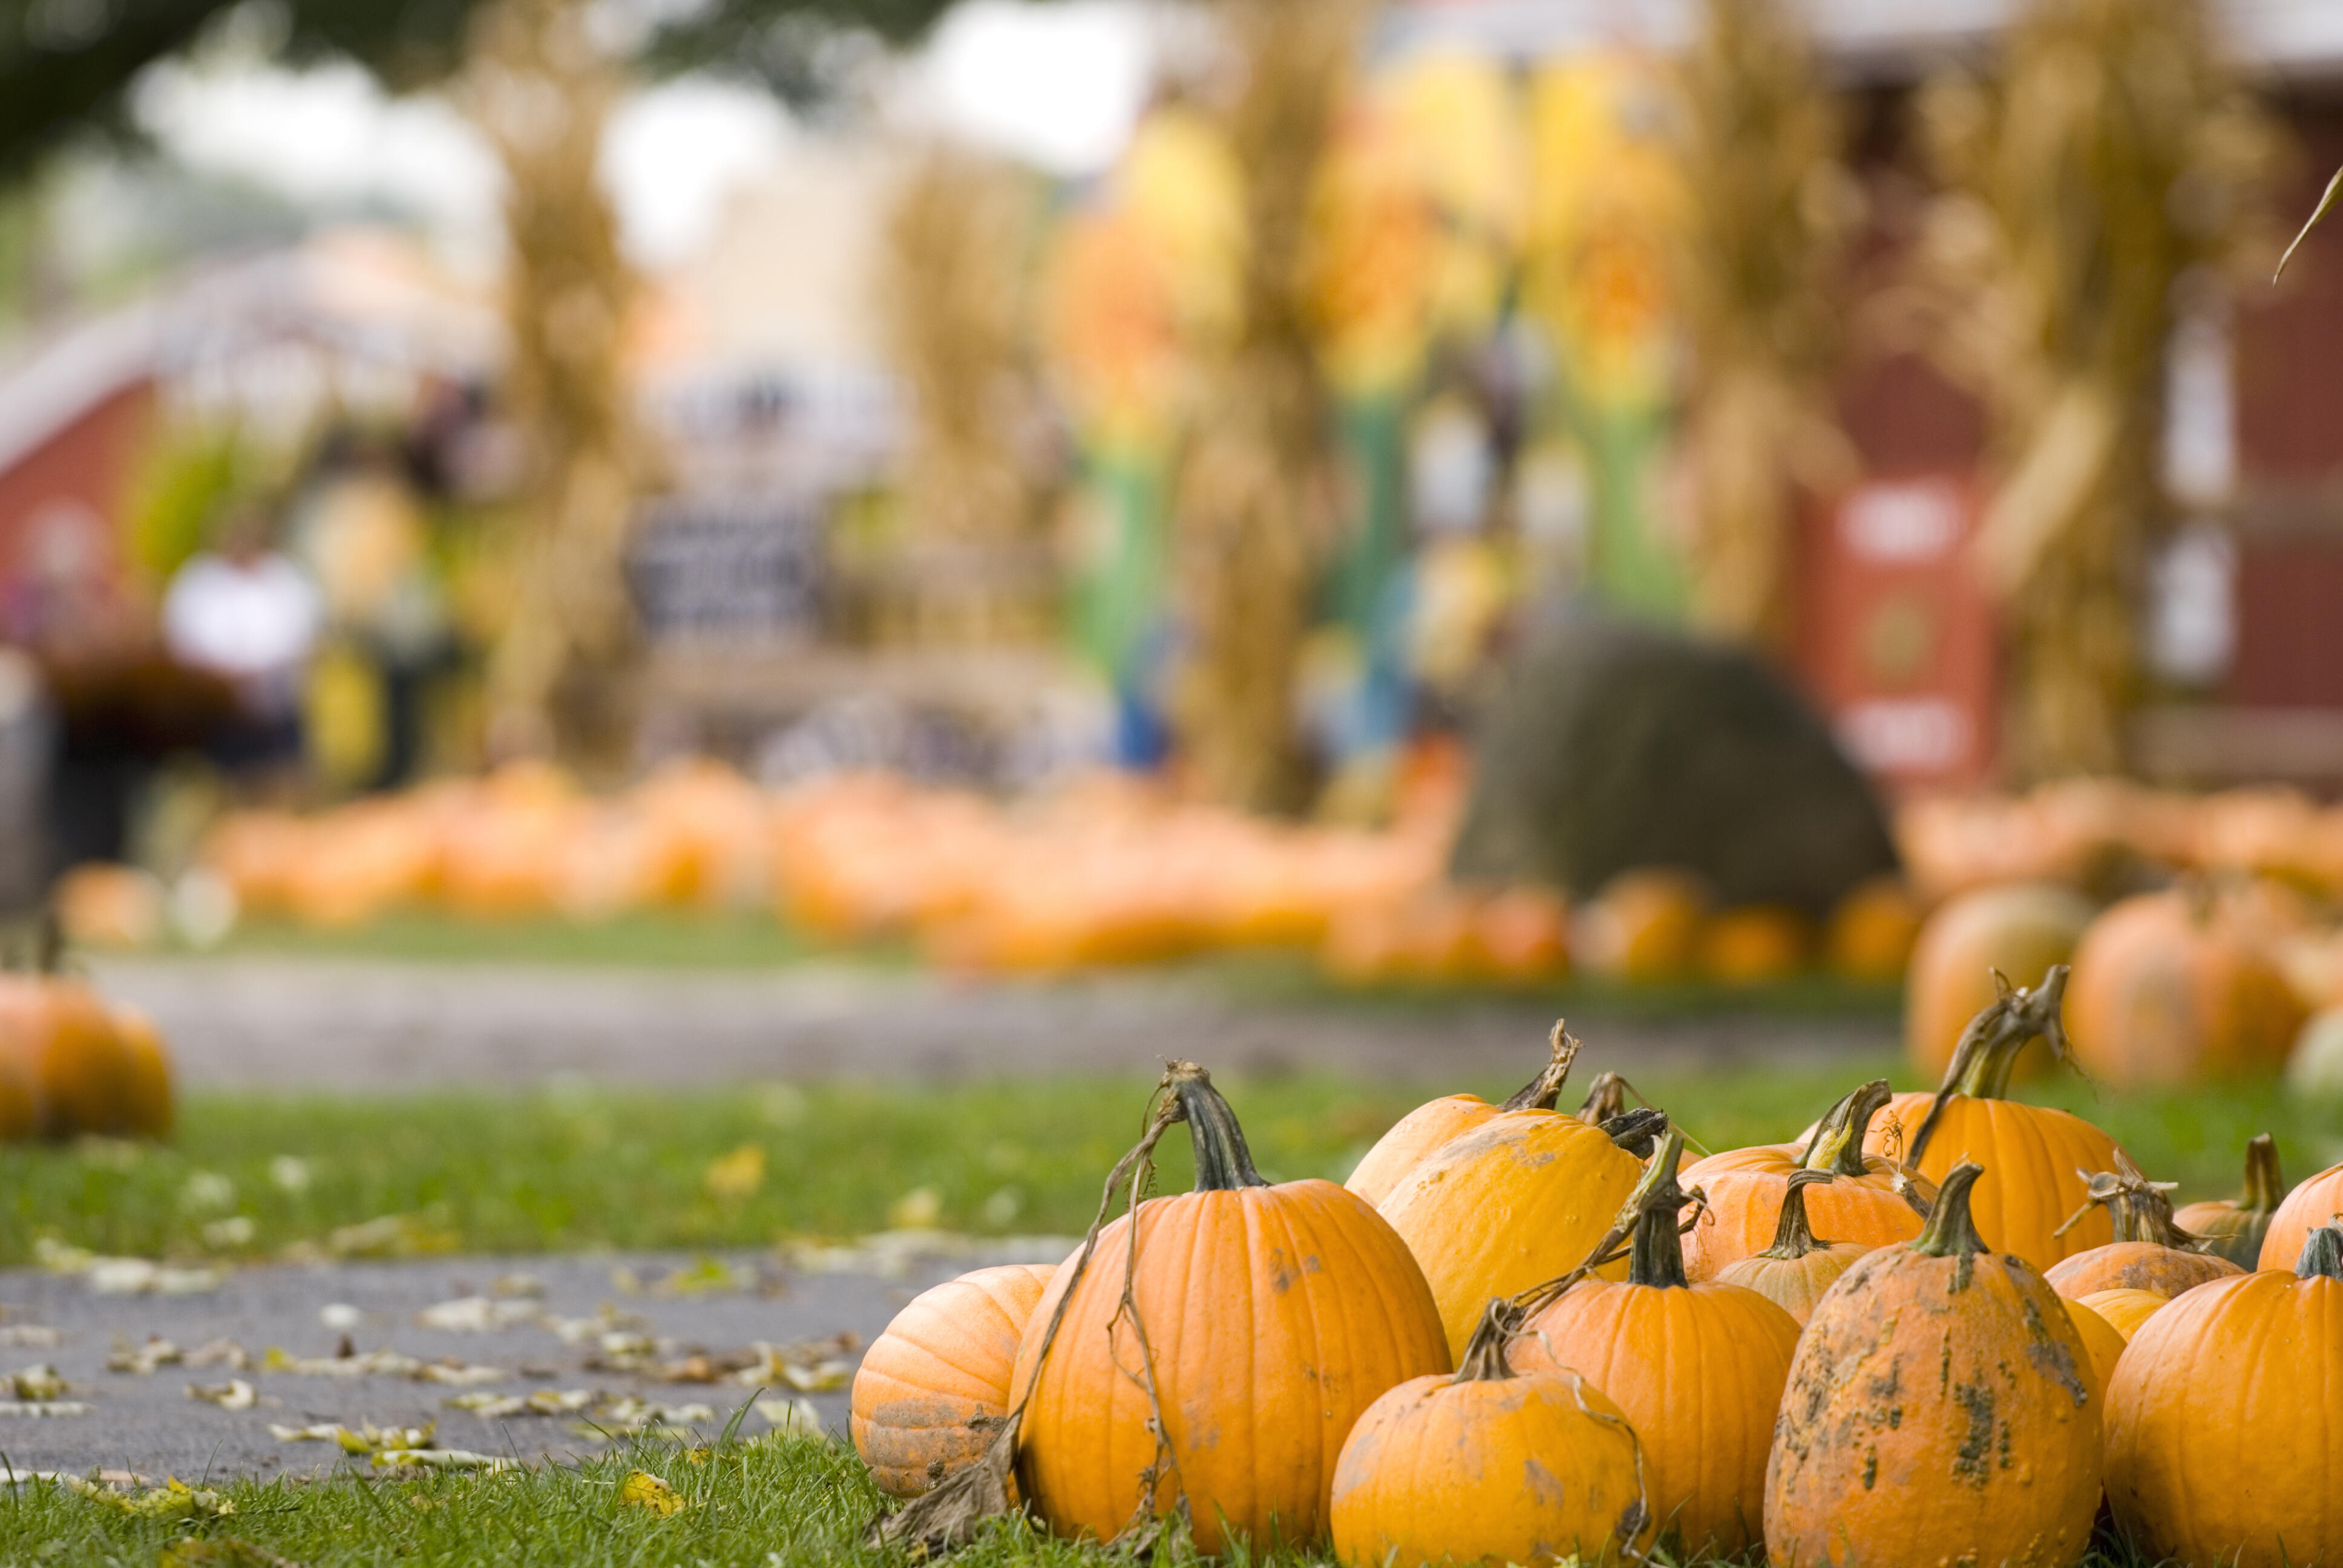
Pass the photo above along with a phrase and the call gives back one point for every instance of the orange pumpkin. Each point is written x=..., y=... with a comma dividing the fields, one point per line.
x=1511, y=1203
x=2317, y=1201
x=1745, y=1189
x=1269, y=1318
x=2222, y=1440
x=1697, y=1369
x=146, y=1101
x=1491, y=1467
x=2020, y=930
x=1645, y=926
x=2149, y=1252
x=2033, y=1155
x=934, y=1388
x=20, y=1111
x=2233, y=1228
x=1436, y=1121
x=1797, y=1268
x=1940, y=1395
x=68, y=1047
x=2101, y=1340
x=1870, y=936
x=2165, y=992
x=2125, y=1310
x=1756, y=945
x=1521, y=937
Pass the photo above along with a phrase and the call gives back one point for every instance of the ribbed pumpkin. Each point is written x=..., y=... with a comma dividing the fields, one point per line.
x=2167, y=992
x=1941, y=1398
x=146, y=1099
x=2019, y=928
x=1271, y=1317
x=934, y=1388
x=2317, y=1201
x=2125, y=1309
x=2033, y=1155
x=1436, y=1121
x=1515, y=1201
x=2149, y=1252
x=2233, y=1228
x=67, y=1048
x=1857, y=1204
x=1645, y=926
x=1799, y=1268
x=1698, y=1369
x=1491, y=1467
x=2223, y=1443
x=2101, y=1339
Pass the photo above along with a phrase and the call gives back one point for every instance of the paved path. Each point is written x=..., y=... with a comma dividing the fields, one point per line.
x=148, y=1423
x=340, y=1023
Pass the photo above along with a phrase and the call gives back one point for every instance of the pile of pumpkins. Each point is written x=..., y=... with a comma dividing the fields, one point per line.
x=72, y=1063
x=1527, y=1334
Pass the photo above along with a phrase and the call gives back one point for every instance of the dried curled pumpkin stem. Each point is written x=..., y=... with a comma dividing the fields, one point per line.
x=2265, y=1183
x=1951, y=1231
x=1836, y=1146
x=2141, y=1208
x=1541, y=1092
x=1637, y=1132
x=1606, y=1097
x=1485, y=1358
x=1794, y=1233
x=1988, y=1047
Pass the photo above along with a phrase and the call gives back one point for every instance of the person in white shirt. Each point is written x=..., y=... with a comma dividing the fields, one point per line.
x=248, y=614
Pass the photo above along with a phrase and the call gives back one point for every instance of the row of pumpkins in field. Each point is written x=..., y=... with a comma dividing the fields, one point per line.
x=1937, y=1327
x=71, y=1062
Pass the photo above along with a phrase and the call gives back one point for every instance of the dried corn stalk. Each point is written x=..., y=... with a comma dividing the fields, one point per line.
x=1768, y=207
x=1251, y=492
x=540, y=91
x=2115, y=154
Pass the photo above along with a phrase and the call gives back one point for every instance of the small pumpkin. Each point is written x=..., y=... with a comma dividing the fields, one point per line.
x=2149, y=1252
x=1757, y=944
x=2016, y=928
x=1270, y=1316
x=2317, y=1201
x=1871, y=933
x=934, y=1388
x=20, y=1111
x=2102, y=1341
x=1491, y=1465
x=1745, y=1187
x=1799, y=1268
x=2233, y=1228
x=66, y=1047
x=1645, y=926
x=1512, y=1202
x=1940, y=1395
x=2165, y=992
x=1436, y=1121
x=2033, y=1155
x=146, y=1099
x=2222, y=1442
x=1698, y=1369
x=2124, y=1310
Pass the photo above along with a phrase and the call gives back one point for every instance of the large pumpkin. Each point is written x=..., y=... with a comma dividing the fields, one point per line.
x=2223, y=1443
x=2168, y=992
x=1269, y=1318
x=1515, y=1201
x=2149, y=1252
x=1697, y=1369
x=2317, y=1201
x=1856, y=1201
x=2233, y=1228
x=1491, y=1467
x=2033, y=1155
x=934, y=1388
x=69, y=1049
x=1798, y=1269
x=1436, y=1121
x=1942, y=1397
x=2020, y=930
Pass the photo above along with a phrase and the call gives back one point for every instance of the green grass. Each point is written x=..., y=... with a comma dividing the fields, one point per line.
x=576, y=1166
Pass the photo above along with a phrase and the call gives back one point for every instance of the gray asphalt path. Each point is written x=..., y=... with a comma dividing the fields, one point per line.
x=337, y=1023
x=147, y=1425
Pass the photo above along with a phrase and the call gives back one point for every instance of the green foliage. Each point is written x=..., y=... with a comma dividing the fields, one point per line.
x=175, y=498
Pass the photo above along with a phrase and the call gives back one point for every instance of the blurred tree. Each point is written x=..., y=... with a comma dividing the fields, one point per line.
x=2114, y=154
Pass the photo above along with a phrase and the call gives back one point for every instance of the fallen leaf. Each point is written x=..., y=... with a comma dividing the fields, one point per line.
x=43, y=1407
x=791, y=1416
x=218, y=1352
x=174, y=1499
x=440, y=1458
x=38, y=1382
x=734, y=1178
x=234, y=1394
x=477, y=1315
x=340, y=1316
x=142, y=1360
x=641, y=1489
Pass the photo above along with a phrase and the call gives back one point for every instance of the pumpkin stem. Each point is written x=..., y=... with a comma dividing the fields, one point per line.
x=1951, y=1231
x=1541, y=1092
x=1636, y=1130
x=1657, y=1255
x=1793, y=1235
x=1836, y=1146
x=2264, y=1185
x=1485, y=1353
x=2141, y=1208
x=1606, y=1098
x=1988, y=1047
x=2322, y=1254
x=1223, y=1164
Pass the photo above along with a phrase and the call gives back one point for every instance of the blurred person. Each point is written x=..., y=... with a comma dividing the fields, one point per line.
x=246, y=613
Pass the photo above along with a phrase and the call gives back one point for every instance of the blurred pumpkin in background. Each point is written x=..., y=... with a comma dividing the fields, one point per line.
x=2167, y=991
x=2020, y=931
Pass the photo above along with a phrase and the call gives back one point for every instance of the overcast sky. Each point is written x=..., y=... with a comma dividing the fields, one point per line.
x=1056, y=84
